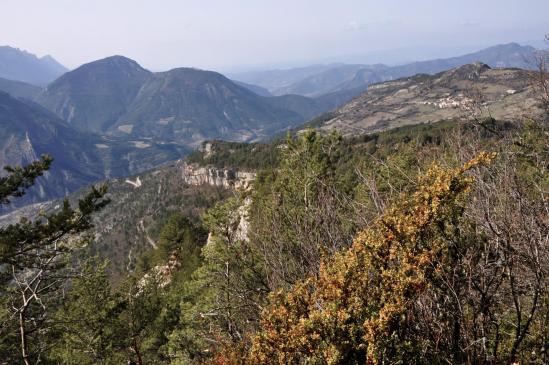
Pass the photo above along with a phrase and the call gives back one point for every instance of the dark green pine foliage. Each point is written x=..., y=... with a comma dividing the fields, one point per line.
x=179, y=239
x=21, y=178
x=89, y=321
x=35, y=261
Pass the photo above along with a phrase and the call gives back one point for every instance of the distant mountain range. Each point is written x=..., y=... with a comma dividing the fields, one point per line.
x=316, y=81
x=27, y=130
x=116, y=96
x=19, y=65
x=274, y=80
x=113, y=118
x=254, y=88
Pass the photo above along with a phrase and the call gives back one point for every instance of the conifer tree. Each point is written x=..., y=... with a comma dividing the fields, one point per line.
x=301, y=209
x=34, y=258
x=91, y=331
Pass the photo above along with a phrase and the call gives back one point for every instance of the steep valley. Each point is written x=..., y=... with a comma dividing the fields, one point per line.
x=27, y=131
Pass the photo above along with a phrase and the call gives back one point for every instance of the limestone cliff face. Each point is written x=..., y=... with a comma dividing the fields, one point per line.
x=193, y=174
x=198, y=175
x=243, y=228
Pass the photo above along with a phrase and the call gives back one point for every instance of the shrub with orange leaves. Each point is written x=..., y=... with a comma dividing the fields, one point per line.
x=358, y=309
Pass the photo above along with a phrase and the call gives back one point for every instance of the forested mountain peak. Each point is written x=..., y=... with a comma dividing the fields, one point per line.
x=118, y=97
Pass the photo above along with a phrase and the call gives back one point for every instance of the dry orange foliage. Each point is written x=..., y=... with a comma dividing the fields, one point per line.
x=358, y=308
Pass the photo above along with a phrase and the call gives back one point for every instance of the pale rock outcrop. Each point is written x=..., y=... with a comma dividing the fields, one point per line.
x=136, y=184
x=194, y=174
x=242, y=231
x=162, y=274
x=198, y=175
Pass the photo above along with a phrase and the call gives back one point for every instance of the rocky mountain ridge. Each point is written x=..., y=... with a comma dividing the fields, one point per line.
x=20, y=65
x=473, y=90
x=344, y=81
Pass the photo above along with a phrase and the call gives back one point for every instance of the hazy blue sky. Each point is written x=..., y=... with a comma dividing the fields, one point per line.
x=225, y=34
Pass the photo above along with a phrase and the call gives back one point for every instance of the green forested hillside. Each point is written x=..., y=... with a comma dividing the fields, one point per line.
x=94, y=96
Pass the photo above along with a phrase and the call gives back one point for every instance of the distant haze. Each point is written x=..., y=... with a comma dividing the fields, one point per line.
x=235, y=35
